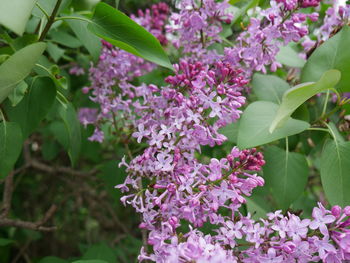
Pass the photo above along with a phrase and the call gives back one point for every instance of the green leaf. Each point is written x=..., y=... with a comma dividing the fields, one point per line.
x=3, y=58
x=65, y=39
x=10, y=146
x=90, y=261
x=85, y=4
x=335, y=132
x=51, y=259
x=101, y=252
x=257, y=207
x=18, y=93
x=55, y=52
x=232, y=2
x=335, y=169
x=289, y=57
x=50, y=149
x=17, y=67
x=70, y=119
x=5, y=242
x=35, y=105
x=48, y=6
x=269, y=87
x=52, y=71
x=24, y=41
x=113, y=175
x=118, y=29
x=258, y=204
x=91, y=42
x=297, y=95
x=285, y=174
x=256, y=120
x=302, y=113
x=332, y=54
x=14, y=14
x=230, y=131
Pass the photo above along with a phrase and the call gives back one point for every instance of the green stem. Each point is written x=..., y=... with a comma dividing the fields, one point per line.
x=72, y=18
x=224, y=39
x=50, y=21
x=331, y=132
x=318, y=129
x=42, y=10
x=3, y=118
x=325, y=104
x=62, y=99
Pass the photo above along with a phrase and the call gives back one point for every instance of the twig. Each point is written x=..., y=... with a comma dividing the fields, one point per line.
x=22, y=252
x=7, y=196
x=26, y=224
x=59, y=169
x=50, y=21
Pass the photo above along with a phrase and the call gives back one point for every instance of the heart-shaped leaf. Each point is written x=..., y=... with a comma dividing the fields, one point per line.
x=118, y=29
x=269, y=87
x=18, y=93
x=34, y=106
x=332, y=54
x=100, y=252
x=297, y=95
x=10, y=146
x=289, y=57
x=256, y=120
x=17, y=67
x=335, y=170
x=90, y=41
x=70, y=119
x=285, y=174
x=14, y=14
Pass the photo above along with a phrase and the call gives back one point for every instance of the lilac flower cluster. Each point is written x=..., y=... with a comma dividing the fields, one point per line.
x=197, y=26
x=175, y=122
x=336, y=17
x=109, y=83
x=154, y=20
x=111, y=77
x=281, y=24
x=294, y=4
x=279, y=238
x=167, y=183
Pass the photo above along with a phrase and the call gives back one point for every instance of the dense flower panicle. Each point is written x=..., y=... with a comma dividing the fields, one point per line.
x=197, y=26
x=112, y=74
x=293, y=4
x=257, y=47
x=166, y=183
x=116, y=68
x=336, y=17
x=279, y=238
x=154, y=20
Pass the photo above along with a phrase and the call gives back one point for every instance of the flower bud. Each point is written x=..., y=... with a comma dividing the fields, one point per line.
x=336, y=211
x=347, y=210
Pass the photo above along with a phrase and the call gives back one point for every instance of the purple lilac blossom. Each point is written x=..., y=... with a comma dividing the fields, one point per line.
x=336, y=17
x=282, y=23
x=196, y=26
x=117, y=68
x=76, y=70
x=176, y=120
